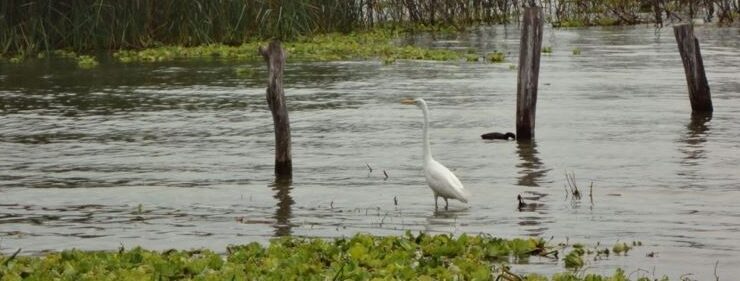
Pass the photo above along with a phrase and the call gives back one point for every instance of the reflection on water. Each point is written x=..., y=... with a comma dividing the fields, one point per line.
x=532, y=172
x=445, y=220
x=692, y=146
x=283, y=212
x=531, y=169
x=695, y=137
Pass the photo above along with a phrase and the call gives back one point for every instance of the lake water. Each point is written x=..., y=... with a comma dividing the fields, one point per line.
x=180, y=154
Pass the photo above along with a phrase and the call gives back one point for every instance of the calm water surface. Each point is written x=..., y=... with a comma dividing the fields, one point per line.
x=179, y=155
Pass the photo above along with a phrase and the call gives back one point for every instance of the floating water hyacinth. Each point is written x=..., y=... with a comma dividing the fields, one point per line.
x=360, y=257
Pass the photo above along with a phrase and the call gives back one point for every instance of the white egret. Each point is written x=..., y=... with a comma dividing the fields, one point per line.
x=440, y=179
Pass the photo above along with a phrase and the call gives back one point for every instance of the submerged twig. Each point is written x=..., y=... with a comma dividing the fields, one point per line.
x=386, y=175
x=368, y=167
x=591, y=193
x=570, y=178
x=507, y=275
x=716, y=277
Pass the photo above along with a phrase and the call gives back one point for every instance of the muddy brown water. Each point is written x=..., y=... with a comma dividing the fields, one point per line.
x=179, y=154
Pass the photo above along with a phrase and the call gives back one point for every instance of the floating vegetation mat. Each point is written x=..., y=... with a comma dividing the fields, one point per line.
x=375, y=44
x=361, y=257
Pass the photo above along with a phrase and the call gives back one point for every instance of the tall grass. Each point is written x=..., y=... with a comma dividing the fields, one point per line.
x=30, y=26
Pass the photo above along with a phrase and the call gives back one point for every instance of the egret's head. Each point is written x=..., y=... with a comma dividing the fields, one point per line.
x=408, y=101
x=419, y=102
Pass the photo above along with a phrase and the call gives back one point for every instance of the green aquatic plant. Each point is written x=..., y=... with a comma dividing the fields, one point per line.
x=495, y=57
x=16, y=59
x=360, y=257
x=547, y=50
x=471, y=57
x=574, y=259
x=87, y=61
x=621, y=248
x=374, y=44
x=63, y=53
x=576, y=51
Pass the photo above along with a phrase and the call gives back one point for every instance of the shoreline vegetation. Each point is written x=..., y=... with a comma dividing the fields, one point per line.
x=360, y=257
x=314, y=30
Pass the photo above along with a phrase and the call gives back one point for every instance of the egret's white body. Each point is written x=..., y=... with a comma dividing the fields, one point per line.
x=440, y=179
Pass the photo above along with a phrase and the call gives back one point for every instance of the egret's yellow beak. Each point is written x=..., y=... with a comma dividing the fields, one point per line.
x=408, y=101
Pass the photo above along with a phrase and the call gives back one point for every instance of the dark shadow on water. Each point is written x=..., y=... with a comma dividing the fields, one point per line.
x=695, y=137
x=450, y=213
x=531, y=169
x=531, y=174
x=283, y=212
x=691, y=144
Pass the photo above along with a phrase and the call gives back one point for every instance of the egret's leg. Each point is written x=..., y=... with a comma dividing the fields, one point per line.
x=446, y=203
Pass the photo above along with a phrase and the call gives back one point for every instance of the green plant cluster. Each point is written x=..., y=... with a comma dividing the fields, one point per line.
x=377, y=43
x=495, y=57
x=361, y=257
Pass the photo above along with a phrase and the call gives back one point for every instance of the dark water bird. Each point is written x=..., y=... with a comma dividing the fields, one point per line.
x=498, y=136
x=440, y=179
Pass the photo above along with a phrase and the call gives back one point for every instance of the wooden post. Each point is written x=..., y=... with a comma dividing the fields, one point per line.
x=693, y=65
x=529, y=70
x=275, y=59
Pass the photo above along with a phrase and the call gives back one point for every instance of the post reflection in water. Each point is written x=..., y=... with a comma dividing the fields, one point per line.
x=532, y=172
x=692, y=145
x=283, y=212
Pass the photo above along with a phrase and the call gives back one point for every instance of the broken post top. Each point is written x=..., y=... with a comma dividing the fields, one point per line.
x=275, y=58
x=273, y=54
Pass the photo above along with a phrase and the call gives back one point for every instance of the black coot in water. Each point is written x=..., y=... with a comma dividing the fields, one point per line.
x=498, y=136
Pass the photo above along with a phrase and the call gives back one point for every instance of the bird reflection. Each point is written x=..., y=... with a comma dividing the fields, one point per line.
x=283, y=212
x=444, y=220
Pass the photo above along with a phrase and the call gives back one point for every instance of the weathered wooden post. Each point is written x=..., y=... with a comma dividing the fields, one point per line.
x=275, y=59
x=693, y=66
x=529, y=70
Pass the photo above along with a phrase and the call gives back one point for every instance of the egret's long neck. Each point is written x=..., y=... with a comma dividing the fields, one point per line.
x=427, y=148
